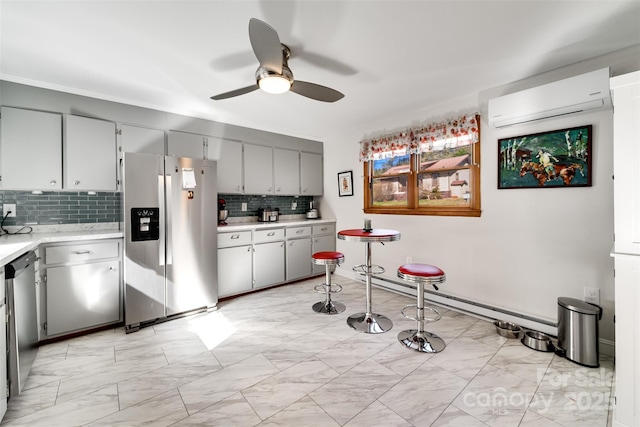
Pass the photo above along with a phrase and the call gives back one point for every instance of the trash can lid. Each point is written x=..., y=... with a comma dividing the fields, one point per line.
x=574, y=304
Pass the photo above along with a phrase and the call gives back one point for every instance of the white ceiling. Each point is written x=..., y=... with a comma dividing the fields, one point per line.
x=385, y=56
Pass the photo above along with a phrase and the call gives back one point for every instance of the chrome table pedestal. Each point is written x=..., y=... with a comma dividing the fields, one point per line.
x=369, y=322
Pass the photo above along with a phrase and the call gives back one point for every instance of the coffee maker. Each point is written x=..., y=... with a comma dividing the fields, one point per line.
x=223, y=213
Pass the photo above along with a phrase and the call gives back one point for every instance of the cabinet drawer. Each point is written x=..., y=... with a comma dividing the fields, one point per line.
x=324, y=229
x=295, y=232
x=272, y=235
x=81, y=252
x=239, y=238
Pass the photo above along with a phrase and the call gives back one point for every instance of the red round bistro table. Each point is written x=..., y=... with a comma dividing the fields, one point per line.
x=369, y=322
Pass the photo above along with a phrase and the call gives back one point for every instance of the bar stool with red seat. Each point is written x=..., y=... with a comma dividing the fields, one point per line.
x=328, y=259
x=418, y=339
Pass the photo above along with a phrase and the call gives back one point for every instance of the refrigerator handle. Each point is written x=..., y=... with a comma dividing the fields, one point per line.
x=162, y=231
x=169, y=210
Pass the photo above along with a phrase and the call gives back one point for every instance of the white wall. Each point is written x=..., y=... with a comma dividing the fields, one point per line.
x=529, y=247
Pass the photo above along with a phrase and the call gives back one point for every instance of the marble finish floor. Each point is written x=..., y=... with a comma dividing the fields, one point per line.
x=266, y=359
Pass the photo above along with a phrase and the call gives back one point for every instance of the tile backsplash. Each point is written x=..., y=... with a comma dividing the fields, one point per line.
x=65, y=207
x=284, y=203
x=62, y=207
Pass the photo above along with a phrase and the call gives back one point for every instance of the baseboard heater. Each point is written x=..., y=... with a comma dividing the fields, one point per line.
x=483, y=311
x=473, y=308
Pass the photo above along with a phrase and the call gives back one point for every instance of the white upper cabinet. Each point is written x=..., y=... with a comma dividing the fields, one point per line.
x=30, y=150
x=286, y=172
x=89, y=154
x=311, y=180
x=181, y=144
x=136, y=139
x=228, y=154
x=258, y=169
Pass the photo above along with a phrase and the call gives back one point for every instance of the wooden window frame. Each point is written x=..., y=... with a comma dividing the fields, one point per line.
x=413, y=207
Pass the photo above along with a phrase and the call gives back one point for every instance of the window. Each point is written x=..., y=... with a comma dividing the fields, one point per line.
x=431, y=170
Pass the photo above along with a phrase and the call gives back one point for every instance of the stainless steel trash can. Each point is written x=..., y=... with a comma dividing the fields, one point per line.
x=578, y=331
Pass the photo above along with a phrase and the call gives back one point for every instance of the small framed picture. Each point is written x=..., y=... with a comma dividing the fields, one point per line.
x=345, y=183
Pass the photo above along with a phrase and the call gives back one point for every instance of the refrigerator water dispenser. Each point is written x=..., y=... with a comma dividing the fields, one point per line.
x=145, y=224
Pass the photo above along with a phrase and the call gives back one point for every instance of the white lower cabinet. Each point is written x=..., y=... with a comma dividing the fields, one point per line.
x=263, y=257
x=234, y=270
x=322, y=244
x=82, y=287
x=82, y=296
x=268, y=264
x=324, y=240
x=298, y=258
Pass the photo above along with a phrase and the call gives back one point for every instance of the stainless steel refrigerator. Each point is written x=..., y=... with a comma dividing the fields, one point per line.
x=170, y=251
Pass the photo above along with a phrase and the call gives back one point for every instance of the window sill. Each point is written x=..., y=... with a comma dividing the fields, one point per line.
x=463, y=212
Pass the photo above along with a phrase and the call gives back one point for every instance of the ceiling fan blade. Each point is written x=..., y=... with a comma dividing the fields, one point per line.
x=317, y=92
x=266, y=45
x=236, y=92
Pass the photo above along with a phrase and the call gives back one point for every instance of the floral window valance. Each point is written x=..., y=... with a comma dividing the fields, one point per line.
x=434, y=136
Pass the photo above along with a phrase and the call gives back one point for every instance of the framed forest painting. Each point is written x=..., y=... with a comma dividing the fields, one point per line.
x=558, y=158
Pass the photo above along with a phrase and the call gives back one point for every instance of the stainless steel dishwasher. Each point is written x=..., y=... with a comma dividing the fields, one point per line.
x=22, y=326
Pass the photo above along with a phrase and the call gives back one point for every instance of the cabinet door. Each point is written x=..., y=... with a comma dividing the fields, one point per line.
x=234, y=270
x=626, y=157
x=136, y=139
x=181, y=144
x=298, y=258
x=286, y=172
x=311, y=181
x=258, y=169
x=30, y=150
x=268, y=264
x=90, y=154
x=229, y=156
x=82, y=296
x=322, y=244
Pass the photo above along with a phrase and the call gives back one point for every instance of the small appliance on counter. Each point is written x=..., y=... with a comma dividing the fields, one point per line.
x=312, y=213
x=223, y=213
x=268, y=215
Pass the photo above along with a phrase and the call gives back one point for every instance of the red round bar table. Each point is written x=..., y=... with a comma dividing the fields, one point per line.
x=369, y=322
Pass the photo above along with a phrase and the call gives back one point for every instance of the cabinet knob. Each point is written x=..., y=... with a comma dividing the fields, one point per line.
x=304, y=191
x=53, y=182
x=76, y=183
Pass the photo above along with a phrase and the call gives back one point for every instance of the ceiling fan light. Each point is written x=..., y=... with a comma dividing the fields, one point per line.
x=274, y=84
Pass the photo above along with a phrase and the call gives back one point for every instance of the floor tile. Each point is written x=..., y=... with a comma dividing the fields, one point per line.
x=267, y=359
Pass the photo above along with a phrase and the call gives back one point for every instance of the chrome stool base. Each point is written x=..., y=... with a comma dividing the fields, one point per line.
x=424, y=342
x=328, y=259
x=370, y=323
x=328, y=307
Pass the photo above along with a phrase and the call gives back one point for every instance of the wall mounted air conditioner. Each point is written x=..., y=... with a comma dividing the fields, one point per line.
x=582, y=93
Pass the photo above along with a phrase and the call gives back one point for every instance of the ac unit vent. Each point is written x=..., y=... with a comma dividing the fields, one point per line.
x=579, y=94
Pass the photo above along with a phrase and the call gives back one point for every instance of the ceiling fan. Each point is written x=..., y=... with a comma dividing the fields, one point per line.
x=274, y=75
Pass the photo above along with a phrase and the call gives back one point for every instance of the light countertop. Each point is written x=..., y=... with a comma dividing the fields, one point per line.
x=241, y=226
x=14, y=245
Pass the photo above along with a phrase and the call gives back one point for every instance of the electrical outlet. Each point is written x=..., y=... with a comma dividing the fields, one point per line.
x=244, y=207
x=592, y=295
x=9, y=207
x=294, y=206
